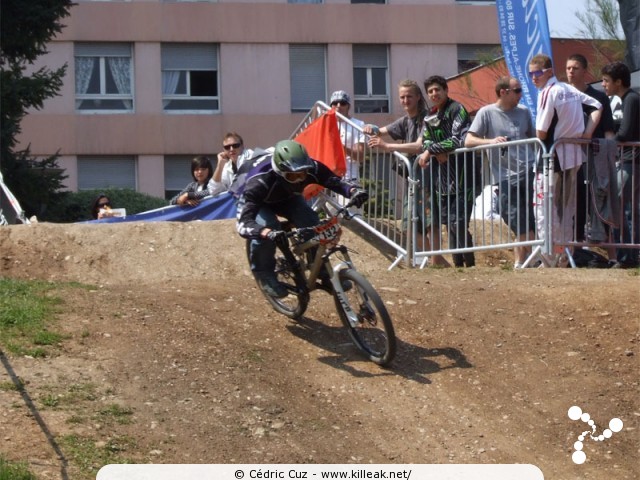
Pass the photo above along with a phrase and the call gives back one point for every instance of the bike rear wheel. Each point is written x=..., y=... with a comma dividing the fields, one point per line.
x=373, y=331
x=288, y=273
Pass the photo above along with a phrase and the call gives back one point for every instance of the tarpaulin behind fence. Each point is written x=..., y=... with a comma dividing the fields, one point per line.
x=220, y=207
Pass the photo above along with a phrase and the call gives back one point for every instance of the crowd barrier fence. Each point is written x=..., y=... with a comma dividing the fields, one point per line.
x=469, y=203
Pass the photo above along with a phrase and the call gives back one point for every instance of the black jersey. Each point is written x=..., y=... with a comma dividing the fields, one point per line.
x=268, y=188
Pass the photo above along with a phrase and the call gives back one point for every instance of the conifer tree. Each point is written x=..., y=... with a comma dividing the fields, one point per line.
x=26, y=27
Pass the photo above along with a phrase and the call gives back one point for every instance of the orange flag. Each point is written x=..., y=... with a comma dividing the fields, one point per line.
x=322, y=141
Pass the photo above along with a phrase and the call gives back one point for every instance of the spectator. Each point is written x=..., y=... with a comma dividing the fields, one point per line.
x=352, y=139
x=408, y=130
x=452, y=189
x=230, y=159
x=511, y=168
x=100, y=208
x=192, y=194
x=577, y=69
x=616, y=80
x=559, y=116
x=277, y=191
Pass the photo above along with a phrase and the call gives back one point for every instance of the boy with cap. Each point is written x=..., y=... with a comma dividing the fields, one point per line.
x=352, y=139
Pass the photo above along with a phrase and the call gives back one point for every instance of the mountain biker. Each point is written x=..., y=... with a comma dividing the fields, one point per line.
x=277, y=191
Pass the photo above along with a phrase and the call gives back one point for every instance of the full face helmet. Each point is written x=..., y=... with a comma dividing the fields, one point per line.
x=291, y=161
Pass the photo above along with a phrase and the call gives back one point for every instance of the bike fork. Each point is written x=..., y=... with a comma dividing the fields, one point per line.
x=340, y=294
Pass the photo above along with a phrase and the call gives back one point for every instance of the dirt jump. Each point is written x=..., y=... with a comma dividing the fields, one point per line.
x=172, y=355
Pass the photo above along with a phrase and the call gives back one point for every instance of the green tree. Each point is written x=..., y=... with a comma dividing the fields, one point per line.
x=26, y=26
x=600, y=23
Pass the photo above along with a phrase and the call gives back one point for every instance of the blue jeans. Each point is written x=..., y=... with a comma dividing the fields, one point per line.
x=262, y=251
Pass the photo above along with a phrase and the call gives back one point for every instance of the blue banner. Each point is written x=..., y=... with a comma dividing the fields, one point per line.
x=524, y=32
x=220, y=207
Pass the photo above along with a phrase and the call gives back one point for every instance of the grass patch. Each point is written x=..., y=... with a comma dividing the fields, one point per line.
x=25, y=310
x=75, y=394
x=8, y=387
x=14, y=470
x=120, y=414
x=90, y=456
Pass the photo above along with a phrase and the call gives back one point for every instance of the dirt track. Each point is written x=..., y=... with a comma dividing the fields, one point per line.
x=174, y=332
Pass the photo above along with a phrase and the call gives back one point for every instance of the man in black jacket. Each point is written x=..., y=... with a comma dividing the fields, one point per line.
x=275, y=189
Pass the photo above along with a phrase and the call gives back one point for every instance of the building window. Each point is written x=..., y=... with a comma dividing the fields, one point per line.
x=190, y=77
x=104, y=77
x=472, y=56
x=177, y=174
x=307, y=67
x=370, y=79
x=95, y=172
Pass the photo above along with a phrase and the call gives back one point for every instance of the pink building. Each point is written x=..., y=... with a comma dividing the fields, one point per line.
x=151, y=83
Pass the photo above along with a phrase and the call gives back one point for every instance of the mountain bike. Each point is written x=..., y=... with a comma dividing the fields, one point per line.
x=306, y=255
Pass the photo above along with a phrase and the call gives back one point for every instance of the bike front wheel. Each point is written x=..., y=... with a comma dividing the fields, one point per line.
x=366, y=318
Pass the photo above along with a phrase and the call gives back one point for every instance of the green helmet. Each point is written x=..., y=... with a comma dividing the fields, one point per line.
x=290, y=157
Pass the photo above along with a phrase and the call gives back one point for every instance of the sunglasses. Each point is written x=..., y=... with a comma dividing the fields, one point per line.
x=294, y=177
x=515, y=90
x=232, y=145
x=538, y=73
x=341, y=103
x=106, y=204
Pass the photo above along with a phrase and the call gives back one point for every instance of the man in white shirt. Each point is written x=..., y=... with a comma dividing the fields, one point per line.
x=230, y=159
x=352, y=139
x=560, y=115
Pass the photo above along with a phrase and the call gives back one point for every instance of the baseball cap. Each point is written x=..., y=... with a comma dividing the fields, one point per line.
x=340, y=96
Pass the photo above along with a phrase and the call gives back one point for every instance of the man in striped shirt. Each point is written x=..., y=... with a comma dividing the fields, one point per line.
x=560, y=115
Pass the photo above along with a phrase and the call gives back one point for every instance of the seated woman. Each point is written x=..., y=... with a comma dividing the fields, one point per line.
x=101, y=207
x=192, y=194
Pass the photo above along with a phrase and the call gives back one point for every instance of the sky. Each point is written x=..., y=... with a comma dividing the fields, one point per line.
x=563, y=22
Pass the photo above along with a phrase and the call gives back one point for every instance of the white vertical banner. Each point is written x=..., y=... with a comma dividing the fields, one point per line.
x=524, y=32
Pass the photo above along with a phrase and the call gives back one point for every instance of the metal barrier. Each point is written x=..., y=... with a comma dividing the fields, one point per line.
x=471, y=203
x=457, y=208
x=386, y=178
x=596, y=203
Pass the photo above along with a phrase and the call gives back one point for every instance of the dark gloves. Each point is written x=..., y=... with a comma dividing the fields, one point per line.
x=359, y=197
x=276, y=235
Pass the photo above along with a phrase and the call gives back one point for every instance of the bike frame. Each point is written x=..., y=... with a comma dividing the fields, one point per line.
x=322, y=259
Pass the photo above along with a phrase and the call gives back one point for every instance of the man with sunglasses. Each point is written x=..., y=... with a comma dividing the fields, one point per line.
x=352, y=139
x=230, y=160
x=274, y=189
x=512, y=166
x=559, y=116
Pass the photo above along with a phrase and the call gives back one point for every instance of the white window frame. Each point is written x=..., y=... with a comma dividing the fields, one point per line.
x=101, y=52
x=365, y=57
x=203, y=58
x=107, y=171
x=308, y=75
